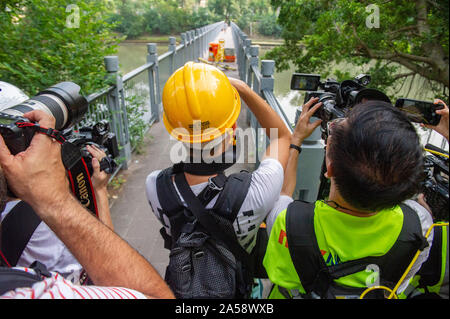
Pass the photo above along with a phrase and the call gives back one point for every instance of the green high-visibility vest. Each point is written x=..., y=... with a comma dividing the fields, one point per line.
x=340, y=237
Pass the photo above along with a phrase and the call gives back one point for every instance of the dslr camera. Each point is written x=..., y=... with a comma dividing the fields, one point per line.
x=435, y=186
x=68, y=107
x=337, y=98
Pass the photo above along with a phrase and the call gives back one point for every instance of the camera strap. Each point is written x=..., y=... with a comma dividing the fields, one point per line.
x=77, y=170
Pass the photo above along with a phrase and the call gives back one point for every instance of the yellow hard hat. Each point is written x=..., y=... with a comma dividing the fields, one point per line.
x=200, y=104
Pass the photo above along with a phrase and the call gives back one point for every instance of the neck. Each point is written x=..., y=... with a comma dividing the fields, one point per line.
x=197, y=179
x=336, y=201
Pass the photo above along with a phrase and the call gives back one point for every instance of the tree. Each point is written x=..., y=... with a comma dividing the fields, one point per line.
x=400, y=38
x=224, y=9
x=45, y=42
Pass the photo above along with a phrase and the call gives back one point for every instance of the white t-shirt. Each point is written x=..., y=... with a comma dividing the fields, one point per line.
x=46, y=247
x=57, y=287
x=264, y=190
x=425, y=217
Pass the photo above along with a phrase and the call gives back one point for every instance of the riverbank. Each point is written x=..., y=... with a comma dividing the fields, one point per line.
x=164, y=40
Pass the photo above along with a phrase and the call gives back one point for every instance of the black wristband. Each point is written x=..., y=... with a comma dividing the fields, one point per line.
x=298, y=148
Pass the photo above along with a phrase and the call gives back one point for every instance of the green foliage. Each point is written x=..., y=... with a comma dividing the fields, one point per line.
x=411, y=39
x=137, y=126
x=268, y=26
x=42, y=43
x=134, y=18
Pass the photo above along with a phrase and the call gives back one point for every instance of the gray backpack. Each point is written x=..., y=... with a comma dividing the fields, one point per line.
x=206, y=260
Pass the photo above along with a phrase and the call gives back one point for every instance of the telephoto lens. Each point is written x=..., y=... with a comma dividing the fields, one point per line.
x=63, y=101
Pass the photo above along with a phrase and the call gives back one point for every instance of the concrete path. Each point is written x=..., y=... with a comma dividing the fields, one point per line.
x=132, y=216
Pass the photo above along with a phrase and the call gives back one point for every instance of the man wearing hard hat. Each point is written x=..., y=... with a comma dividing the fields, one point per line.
x=201, y=107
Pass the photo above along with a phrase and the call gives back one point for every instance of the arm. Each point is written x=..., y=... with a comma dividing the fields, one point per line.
x=38, y=177
x=303, y=129
x=100, y=183
x=268, y=119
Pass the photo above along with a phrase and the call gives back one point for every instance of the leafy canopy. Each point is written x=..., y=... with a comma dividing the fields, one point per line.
x=411, y=39
x=43, y=43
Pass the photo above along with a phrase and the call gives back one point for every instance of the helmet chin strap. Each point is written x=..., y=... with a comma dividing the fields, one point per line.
x=214, y=165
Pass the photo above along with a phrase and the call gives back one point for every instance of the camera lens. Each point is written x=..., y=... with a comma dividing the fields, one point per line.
x=62, y=100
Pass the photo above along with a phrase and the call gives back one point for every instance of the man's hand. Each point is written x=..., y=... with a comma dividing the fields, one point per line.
x=99, y=178
x=304, y=128
x=36, y=175
x=442, y=127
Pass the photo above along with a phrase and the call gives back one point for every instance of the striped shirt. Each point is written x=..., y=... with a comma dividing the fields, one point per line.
x=56, y=287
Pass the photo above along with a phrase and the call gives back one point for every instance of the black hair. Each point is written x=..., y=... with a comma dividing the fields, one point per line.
x=376, y=156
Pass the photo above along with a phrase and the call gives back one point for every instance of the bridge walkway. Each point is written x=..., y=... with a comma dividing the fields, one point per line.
x=131, y=214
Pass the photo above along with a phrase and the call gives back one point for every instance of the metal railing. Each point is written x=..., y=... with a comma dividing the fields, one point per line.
x=133, y=101
x=259, y=76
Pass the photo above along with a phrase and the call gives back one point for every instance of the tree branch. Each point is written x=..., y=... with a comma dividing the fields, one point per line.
x=404, y=75
x=392, y=34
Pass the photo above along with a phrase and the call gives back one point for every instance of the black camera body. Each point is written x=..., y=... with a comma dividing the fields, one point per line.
x=97, y=134
x=436, y=183
x=65, y=103
x=16, y=138
x=337, y=98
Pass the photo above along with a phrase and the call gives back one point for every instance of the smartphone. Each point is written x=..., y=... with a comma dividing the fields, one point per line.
x=420, y=111
x=305, y=82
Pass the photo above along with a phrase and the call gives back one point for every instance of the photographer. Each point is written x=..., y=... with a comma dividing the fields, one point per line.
x=374, y=162
x=431, y=281
x=244, y=199
x=38, y=177
x=25, y=238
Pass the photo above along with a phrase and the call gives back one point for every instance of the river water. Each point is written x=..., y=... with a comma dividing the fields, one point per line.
x=133, y=55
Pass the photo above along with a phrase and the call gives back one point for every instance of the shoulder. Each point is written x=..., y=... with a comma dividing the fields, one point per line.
x=269, y=166
x=150, y=182
x=426, y=220
x=151, y=178
x=56, y=287
x=280, y=206
x=266, y=183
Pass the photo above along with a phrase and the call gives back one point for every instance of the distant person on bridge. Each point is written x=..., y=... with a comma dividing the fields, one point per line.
x=368, y=230
x=201, y=107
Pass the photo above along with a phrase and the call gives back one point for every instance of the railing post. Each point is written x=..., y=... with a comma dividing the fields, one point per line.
x=267, y=70
x=196, y=45
x=246, y=49
x=116, y=104
x=184, y=42
x=172, y=48
x=153, y=81
x=188, y=42
x=253, y=61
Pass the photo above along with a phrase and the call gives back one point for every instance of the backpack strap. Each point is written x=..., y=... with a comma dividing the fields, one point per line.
x=171, y=206
x=303, y=247
x=431, y=270
x=11, y=278
x=17, y=228
x=233, y=195
x=411, y=239
x=214, y=229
